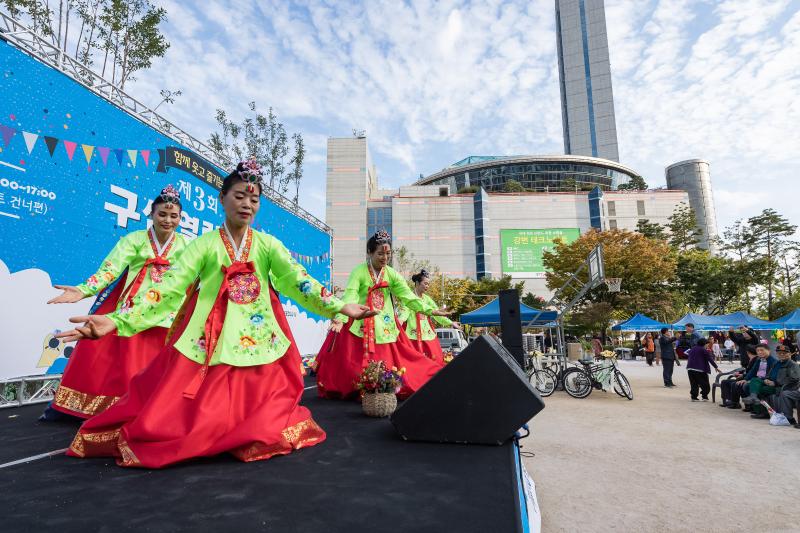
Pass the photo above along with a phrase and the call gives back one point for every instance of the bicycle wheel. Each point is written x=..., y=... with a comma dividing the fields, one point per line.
x=577, y=383
x=544, y=381
x=622, y=386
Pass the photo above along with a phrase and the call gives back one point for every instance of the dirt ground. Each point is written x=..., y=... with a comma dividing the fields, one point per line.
x=660, y=462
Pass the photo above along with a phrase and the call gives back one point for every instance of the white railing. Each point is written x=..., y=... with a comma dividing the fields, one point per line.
x=23, y=38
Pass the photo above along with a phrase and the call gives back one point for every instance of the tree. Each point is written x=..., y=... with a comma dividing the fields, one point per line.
x=513, y=186
x=646, y=266
x=469, y=189
x=652, y=230
x=407, y=264
x=533, y=300
x=766, y=234
x=684, y=233
x=569, y=184
x=125, y=33
x=788, y=254
x=265, y=138
x=636, y=183
x=296, y=174
x=712, y=284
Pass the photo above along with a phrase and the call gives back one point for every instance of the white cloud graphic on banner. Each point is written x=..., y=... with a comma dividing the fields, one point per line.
x=28, y=321
x=308, y=333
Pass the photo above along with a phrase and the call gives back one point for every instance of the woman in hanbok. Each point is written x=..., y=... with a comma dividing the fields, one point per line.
x=350, y=347
x=231, y=382
x=421, y=328
x=98, y=371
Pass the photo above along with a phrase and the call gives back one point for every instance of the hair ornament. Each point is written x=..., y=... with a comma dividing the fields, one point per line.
x=170, y=195
x=250, y=172
x=382, y=237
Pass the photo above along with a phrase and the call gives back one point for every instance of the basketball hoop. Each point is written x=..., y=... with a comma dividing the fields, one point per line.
x=613, y=284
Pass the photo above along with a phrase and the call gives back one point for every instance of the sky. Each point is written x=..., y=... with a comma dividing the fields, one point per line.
x=433, y=82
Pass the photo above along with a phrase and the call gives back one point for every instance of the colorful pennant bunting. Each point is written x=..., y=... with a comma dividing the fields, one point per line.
x=30, y=140
x=8, y=133
x=132, y=156
x=103, y=150
x=70, y=146
x=87, y=152
x=51, y=143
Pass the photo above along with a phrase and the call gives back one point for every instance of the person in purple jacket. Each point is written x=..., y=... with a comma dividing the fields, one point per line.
x=699, y=367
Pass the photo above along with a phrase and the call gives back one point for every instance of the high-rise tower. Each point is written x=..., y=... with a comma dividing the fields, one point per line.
x=694, y=177
x=587, y=102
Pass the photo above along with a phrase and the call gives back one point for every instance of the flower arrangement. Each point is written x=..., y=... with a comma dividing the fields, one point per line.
x=376, y=378
x=608, y=354
x=448, y=356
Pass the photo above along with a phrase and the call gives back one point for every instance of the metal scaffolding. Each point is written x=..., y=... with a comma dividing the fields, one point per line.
x=23, y=38
x=27, y=390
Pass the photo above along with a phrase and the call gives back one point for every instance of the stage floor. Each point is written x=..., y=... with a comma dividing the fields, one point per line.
x=363, y=478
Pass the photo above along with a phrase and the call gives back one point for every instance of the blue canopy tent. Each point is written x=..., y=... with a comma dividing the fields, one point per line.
x=723, y=322
x=489, y=315
x=790, y=321
x=640, y=322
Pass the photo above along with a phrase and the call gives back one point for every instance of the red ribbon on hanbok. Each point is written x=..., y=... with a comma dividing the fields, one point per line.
x=419, y=331
x=215, y=321
x=369, y=322
x=137, y=282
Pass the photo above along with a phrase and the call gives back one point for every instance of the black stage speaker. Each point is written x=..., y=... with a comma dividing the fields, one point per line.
x=511, y=324
x=480, y=397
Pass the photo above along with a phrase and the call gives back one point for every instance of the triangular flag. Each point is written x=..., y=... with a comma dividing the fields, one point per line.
x=87, y=152
x=145, y=156
x=30, y=140
x=8, y=133
x=118, y=152
x=103, y=154
x=70, y=146
x=51, y=143
x=132, y=155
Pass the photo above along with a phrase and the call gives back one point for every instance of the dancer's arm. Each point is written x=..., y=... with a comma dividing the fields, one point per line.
x=350, y=295
x=112, y=266
x=149, y=308
x=292, y=280
x=400, y=288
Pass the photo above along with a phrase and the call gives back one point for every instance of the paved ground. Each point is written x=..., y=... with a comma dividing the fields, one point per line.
x=661, y=463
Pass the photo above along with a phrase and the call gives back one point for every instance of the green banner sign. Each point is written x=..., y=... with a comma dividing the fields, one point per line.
x=522, y=249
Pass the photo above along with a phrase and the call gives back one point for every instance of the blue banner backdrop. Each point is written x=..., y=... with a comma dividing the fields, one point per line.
x=77, y=173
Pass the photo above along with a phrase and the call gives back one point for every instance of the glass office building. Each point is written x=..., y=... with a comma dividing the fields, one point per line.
x=534, y=173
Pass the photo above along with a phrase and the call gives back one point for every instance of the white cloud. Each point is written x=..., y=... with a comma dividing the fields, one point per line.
x=432, y=82
x=28, y=322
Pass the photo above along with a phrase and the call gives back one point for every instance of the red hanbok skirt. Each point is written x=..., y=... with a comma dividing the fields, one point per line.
x=430, y=348
x=251, y=412
x=341, y=359
x=98, y=371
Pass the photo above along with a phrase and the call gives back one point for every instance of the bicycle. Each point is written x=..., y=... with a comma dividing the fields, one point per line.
x=579, y=381
x=543, y=380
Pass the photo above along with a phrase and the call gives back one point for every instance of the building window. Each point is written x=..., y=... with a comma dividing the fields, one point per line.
x=379, y=218
x=612, y=209
x=612, y=224
x=640, y=208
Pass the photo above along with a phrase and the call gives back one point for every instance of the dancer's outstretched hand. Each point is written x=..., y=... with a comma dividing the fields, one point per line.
x=457, y=325
x=94, y=327
x=442, y=312
x=336, y=326
x=357, y=311
x=69, y=296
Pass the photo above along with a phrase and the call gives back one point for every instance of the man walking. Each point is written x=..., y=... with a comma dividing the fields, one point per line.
x=667, y=343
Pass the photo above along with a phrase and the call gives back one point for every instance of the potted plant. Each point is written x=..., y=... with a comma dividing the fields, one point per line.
x=378, y=386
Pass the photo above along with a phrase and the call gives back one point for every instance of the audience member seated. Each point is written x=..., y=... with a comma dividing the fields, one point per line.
x=756, y=375
x=788, y=377
x=732, y=387
x=765, y=388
